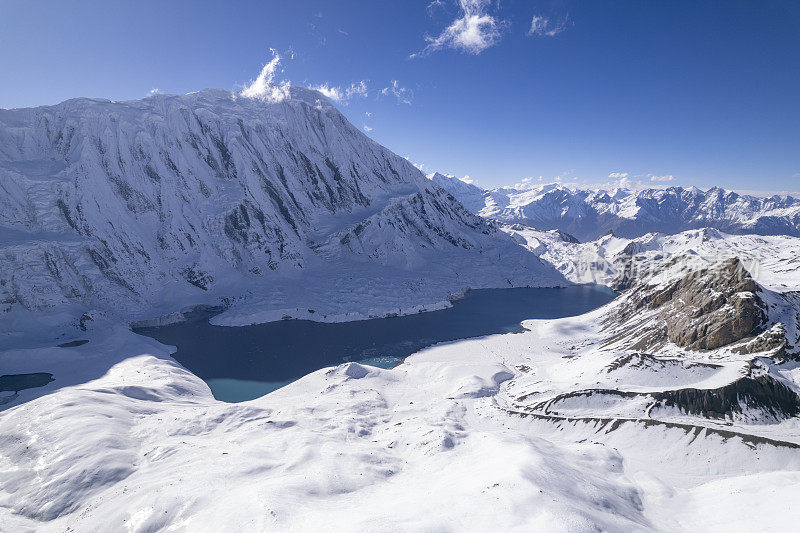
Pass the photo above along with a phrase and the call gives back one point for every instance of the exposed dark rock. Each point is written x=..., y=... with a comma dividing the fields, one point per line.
x=758, y=393
x=644, y=360
x=197, y=277
x=704, y=310
x=745, y=396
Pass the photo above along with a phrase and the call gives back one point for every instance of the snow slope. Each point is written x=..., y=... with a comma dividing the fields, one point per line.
x=471, y=196
x=564, y=427
x=140, y=208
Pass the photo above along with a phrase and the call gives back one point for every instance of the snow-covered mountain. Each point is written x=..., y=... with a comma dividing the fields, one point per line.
x=673, y=408
x=470, y=195
x=140, y=207
x=589, y=214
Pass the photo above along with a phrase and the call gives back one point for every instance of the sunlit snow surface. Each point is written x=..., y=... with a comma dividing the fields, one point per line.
x=442, y=442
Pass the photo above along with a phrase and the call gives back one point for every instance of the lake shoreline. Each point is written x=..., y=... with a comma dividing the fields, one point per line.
x=282, y=351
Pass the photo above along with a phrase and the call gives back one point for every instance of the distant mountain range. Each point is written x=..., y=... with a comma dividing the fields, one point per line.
x=590, y=214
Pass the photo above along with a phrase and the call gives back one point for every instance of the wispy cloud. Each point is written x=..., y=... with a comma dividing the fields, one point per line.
x=434, y=4
x=402, y=94
x=652, y=177
x=343, y=94
x=665, y=177
x=472, y=32
x=154, y=90
x=263, y=87
x=543, y=27
x=367, y=128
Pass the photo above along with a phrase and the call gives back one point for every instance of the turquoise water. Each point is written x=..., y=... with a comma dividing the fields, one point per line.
x=242, y=363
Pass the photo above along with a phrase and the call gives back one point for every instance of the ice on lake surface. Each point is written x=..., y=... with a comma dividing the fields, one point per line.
x=243, y=363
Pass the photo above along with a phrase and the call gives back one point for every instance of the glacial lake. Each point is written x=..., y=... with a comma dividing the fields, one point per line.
x=246, y=362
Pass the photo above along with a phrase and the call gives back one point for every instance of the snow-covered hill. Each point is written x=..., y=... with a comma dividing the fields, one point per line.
x=590, y=214
x=673, y=408
x=138, y=208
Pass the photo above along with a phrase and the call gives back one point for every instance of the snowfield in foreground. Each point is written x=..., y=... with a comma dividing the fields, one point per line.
x=613, y=420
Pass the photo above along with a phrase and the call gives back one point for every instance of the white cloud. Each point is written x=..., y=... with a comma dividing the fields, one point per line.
x=541, y=27
x=153, y=91
x=524, y=184
x=796, y=175
x=666, y=177
x=625, y=183
x=402, y=94
x=368, y=114
x=367, y=128
x=357, y=89
x=263, y=88
x=618, y=175
x=473, y=32
x=434, y=4
x=342, y=94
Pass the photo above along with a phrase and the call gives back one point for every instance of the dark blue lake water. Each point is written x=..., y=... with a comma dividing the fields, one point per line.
x=243, y=363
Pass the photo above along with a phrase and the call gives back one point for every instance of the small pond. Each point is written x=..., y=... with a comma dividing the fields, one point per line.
x=14, y=383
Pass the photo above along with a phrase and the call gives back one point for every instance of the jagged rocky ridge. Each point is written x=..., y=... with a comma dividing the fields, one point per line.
x=590, y=214
x=182, y=199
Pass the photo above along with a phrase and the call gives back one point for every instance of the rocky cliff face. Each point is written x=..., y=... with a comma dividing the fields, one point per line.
x=122, y=204
x=703, y=310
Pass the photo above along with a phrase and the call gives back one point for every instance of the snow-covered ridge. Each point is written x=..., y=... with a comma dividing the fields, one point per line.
x=589, y=214
x=142, y=207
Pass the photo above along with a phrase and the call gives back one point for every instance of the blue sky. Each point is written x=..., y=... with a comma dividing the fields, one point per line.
x=661, y=92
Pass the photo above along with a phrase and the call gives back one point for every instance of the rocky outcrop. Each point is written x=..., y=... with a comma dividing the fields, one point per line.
x=749, y=396
x=712, y=308
x=704, y=309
